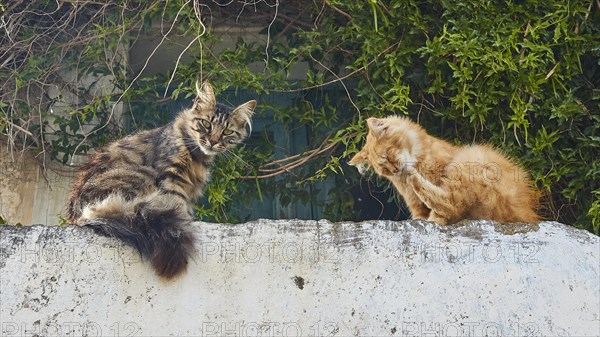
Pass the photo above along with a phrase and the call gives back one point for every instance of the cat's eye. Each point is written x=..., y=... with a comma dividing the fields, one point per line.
x=227, y=132
x=205, y=123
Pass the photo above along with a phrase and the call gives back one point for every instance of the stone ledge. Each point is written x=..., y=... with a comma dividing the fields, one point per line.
x=308, y=278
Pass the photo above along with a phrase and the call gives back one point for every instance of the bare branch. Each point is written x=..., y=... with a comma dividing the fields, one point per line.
x=292, y=162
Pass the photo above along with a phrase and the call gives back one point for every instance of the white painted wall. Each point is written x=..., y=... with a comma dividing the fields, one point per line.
x=308, y=278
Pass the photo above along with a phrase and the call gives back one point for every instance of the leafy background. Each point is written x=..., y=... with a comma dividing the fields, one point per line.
x=522, y=75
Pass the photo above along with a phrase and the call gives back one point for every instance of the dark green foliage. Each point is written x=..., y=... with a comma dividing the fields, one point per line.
x=522, y=75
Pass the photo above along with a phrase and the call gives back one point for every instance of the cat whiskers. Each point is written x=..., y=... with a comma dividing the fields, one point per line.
x=228, y=153
x=194, y=144
x=231, y=154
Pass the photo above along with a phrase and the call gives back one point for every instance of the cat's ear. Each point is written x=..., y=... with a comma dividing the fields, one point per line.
x=205, y=97
x=243, y=113
x=377, y=125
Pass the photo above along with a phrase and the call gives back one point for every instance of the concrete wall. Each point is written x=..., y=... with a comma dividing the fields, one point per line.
x=308, y=278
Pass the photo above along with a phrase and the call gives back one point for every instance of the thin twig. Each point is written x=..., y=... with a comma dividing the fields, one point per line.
x=203, y=31
x=304, y=158
x=112, y=111
x=348, y=16
x=337, y=78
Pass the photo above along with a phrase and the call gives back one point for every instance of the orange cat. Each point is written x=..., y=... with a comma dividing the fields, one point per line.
x=444, y=183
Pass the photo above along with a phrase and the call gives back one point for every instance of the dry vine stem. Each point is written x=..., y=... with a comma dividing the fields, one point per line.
x=55, y=31
x=70, y=26
x=285, y=165
x=38, y=41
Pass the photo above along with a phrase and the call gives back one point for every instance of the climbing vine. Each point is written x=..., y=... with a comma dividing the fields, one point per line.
x=520, y=75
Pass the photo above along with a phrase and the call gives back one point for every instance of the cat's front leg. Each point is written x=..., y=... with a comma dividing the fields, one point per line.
x=402, y=165
x=418, y=209
x=416, y=206
x=439, y=200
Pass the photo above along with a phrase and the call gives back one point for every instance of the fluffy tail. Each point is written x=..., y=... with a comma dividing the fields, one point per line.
x=162, y=236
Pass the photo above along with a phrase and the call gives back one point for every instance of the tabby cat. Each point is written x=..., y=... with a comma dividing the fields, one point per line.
x=141, y=189
x=444, y=183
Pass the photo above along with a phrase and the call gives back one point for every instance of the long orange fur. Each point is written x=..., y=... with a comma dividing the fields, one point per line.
x=444, y=183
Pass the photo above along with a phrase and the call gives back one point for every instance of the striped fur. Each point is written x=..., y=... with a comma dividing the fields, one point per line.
x=142, y=188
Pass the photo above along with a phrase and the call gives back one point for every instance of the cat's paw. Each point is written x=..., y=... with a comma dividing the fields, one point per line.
x=406, y=160
x=390, y=168
x=420, y=216
x=434, y=217
x=412, y=168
